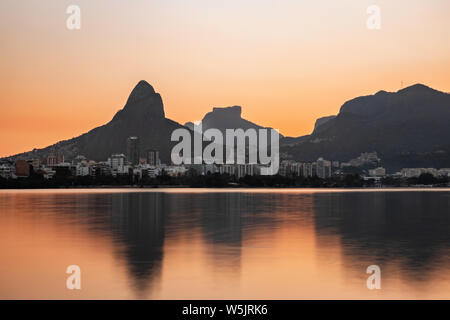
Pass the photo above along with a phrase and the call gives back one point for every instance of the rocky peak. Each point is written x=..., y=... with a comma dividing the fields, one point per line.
x=143, y=103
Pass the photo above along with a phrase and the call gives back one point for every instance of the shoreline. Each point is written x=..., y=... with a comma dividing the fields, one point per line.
x=181, y=187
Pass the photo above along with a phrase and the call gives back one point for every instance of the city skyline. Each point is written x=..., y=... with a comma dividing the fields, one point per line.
x=224, y=159
x=303, y=59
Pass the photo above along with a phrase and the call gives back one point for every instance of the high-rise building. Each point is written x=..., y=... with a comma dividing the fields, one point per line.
x=133, y=151
x=153, y=157
x=307, y=170
x=116, y=161
x=323, y=168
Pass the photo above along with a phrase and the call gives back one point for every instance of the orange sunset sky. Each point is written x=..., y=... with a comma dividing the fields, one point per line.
x=286, y=62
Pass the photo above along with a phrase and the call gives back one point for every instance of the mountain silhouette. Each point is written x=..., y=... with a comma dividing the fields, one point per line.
x=407, y=128
x=321, y=121
x=142, y=116
x=225, y=118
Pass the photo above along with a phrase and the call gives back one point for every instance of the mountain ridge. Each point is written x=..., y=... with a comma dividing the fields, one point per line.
x=412, y=121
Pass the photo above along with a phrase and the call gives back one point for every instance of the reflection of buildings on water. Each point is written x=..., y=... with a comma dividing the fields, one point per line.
x=221, y=222
x=410, y=230
x=138, y=224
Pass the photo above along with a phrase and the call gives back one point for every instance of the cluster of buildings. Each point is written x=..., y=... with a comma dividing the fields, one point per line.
x=135, y=163
x=326, y=168
x=139, y=165
x=24, y=168
x=417, y=172
x=364, y=159
x=116, y=165
x=320, y=168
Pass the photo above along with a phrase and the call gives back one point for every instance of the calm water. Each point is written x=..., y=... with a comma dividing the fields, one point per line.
x=232, y=244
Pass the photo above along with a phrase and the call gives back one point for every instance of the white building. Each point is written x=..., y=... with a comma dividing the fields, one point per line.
x=416, y=172
x=49, y=172
x=378, y=172
x=6, y=171
x=175, y=170
x=82, y=170
x=364, y=158
x=323, y=168
x=444, y=172
x=117, y=164
x=307, y=170
x=153, y=158
x=152, y=172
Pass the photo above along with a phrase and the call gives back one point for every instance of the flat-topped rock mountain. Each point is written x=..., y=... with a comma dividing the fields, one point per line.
x=223, y=118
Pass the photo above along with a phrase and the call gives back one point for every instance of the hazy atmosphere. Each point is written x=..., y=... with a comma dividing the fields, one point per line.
x=285, y=62
x=196, y=151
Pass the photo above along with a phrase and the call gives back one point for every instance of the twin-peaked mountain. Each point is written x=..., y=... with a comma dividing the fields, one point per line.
x=407, y=128
x=142, y=116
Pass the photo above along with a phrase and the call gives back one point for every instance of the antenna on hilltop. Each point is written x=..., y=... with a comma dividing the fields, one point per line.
x=401, y=84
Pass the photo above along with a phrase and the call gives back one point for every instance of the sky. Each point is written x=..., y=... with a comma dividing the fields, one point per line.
x=286, y=62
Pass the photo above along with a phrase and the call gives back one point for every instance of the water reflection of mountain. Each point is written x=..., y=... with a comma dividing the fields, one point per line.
x=138, y=226
x=143, y=222
x=407, y=228
x=216, y=236
x=384, y=228
x=226, y=220
x=213, y=218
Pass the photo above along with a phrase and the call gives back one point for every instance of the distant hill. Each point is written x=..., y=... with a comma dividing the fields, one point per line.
x=142, y=116
x=410, y=127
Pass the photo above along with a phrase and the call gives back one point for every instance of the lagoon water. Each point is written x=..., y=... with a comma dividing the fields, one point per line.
x=224, y=243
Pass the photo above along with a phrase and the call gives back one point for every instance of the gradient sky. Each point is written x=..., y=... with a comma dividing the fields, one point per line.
x=286, y=62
